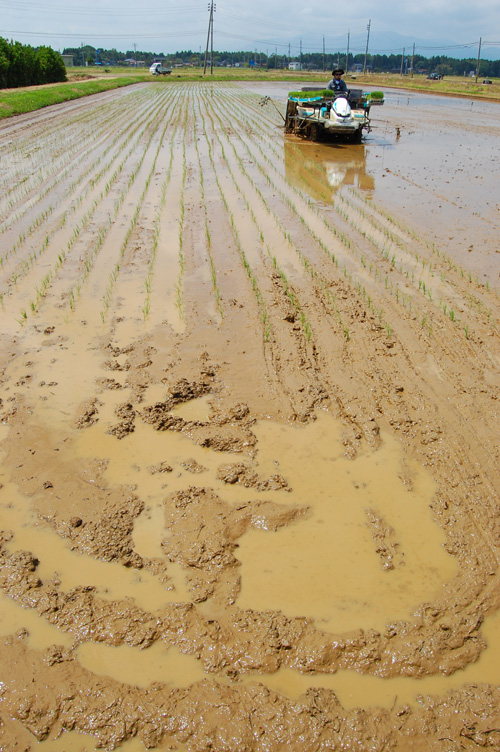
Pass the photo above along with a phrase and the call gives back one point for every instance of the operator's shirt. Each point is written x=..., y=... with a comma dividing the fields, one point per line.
x=337, y=85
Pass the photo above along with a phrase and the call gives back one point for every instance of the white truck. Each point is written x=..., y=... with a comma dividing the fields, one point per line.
x=157, y=69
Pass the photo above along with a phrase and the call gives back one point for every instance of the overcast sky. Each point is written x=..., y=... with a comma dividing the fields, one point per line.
x=167, y=26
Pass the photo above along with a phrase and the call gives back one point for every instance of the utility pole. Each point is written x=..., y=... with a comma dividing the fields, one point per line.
x=367, y=41
x=402, y=61
x=323, y=52
x=135, y=54
x=210, y=39
x=347, y=53
x=412, y=59
x=301, y=54
x=478, y=59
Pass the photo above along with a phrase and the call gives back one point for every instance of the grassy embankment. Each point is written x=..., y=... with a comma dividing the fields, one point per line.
x=13, y=102
x=30, y=98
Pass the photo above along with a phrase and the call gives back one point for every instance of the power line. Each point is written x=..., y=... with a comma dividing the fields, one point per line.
x=92, y=35
x=85, y=10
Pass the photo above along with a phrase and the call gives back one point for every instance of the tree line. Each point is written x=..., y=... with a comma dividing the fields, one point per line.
x=447, y=66
x=23, y=65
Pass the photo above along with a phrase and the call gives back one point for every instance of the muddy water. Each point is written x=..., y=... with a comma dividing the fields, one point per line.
x=354, y=690
x=327, y=566
x=14, y=619
x=141, y=668
x=71, y=569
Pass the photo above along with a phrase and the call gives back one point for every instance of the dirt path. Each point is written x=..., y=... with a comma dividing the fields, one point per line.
x=249, y=481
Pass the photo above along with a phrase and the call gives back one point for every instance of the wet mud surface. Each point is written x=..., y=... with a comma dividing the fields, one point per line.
x=249, y=492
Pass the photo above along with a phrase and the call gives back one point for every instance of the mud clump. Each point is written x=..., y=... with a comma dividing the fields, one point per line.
x=89, y=414
x=110, y=537
x=161, y=467
x=243, y=475
x=383, y=535
x=127, y=413
x=192, y=466
x=203, y=531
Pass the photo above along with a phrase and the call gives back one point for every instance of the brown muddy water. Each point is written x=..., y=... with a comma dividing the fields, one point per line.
x=249, y=427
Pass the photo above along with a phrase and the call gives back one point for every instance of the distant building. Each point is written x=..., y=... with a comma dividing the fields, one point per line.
x=294, y=66
x=68, y=60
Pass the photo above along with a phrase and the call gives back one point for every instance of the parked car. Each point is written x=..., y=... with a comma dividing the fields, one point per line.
x=435, y=76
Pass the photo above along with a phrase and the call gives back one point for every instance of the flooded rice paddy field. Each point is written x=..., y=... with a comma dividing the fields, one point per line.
x=249, y=492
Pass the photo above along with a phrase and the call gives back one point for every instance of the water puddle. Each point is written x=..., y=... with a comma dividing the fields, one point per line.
x=369, y=551
x=327, y=566
x=41, y=634
x=356, y=690
x=112, y=580
x=70, y=741
x=140, y=668
x=196, y=409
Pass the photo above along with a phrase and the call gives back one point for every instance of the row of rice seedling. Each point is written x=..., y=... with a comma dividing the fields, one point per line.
x=45, y=136
x=154, y=135
x=177, y=124
x=75, y=189
x=225, y=197
x=78, y=236
x=77, y=228
x=52, y=152
x=277, y=237
x=156, y=229
x=286, y=239
x=78, y=154
x=400, y=295
x=208, y=236
x=454, y=274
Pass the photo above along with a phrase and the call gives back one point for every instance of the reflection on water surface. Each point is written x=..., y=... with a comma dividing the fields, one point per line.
x=321, y=169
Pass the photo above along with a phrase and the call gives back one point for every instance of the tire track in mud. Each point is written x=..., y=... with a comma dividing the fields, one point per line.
x=204, y=215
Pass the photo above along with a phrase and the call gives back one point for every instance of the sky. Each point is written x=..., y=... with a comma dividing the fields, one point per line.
x=170, y=26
